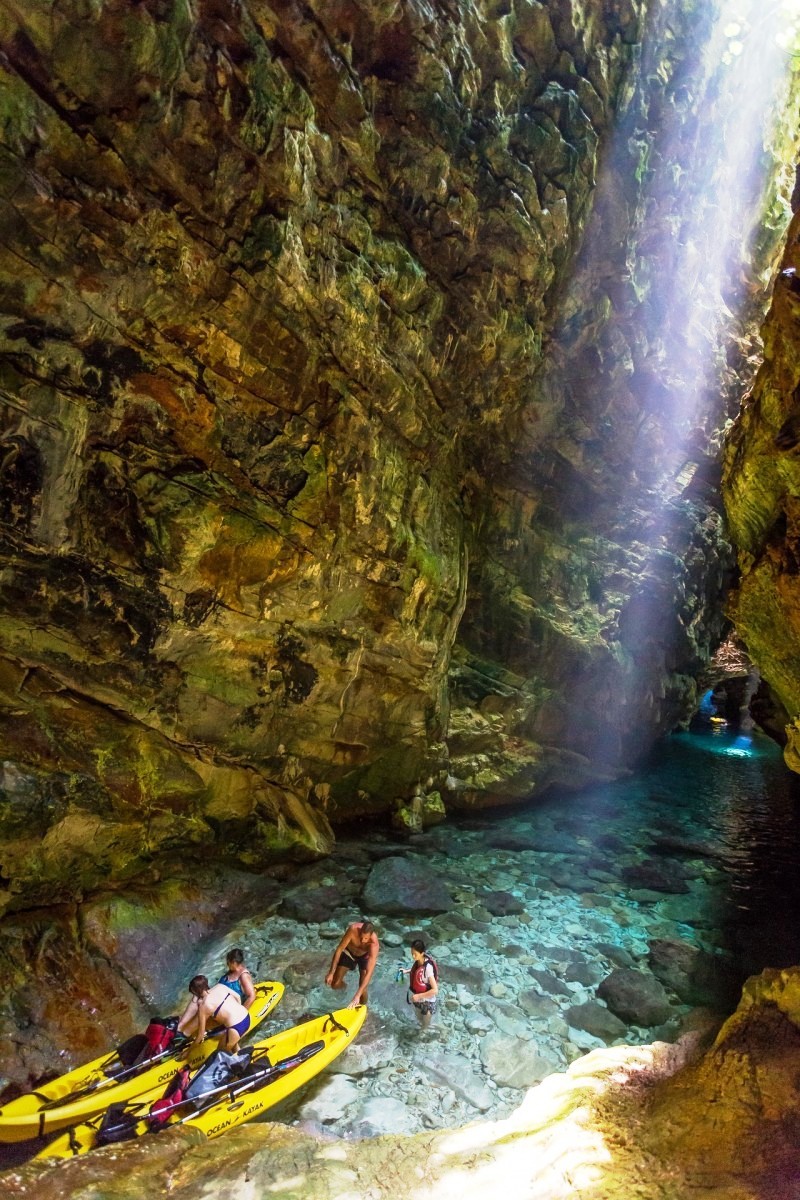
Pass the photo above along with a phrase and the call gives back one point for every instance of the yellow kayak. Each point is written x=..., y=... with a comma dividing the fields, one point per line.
x=91, y=1088
x=277, y=1066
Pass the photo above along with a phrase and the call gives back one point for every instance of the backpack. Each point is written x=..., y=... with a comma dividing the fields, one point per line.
x=159, y=1036
x=427, y=961
x=118, y=1125
x=175, y=1093
x=128, y=1053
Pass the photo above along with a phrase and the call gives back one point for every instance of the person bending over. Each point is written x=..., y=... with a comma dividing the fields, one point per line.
x=358, y=948
x=217, y=1003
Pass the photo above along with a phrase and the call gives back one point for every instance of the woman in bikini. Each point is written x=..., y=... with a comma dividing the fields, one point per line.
x=214, y=1003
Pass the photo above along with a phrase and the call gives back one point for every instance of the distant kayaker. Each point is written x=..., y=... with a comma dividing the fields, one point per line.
x=214, y=1003
x=238, y=978
x=358, y=949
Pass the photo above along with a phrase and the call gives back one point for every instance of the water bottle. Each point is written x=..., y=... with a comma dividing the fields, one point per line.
x=399, y=974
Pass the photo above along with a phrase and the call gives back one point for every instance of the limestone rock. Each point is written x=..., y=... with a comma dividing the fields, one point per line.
x=404, y=885
x=330, y=1097
x=514, y=1063
x=381, y=1115
x=457, y=1073
x=366, y=1054
x=635, y=997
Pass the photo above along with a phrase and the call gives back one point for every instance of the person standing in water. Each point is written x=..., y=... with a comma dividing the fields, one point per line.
x=238, y=978
x=214, y=1003
x=358, y=948
x=423, y=983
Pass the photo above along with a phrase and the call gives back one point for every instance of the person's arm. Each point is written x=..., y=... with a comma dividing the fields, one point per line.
x=363, y=984
x=246, y=981
x=201, y=1024
x=189, y=1015
x=433, y=987
x=337, y=954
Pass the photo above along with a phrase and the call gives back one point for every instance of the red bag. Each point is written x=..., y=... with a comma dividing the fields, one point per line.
x=175, y=1093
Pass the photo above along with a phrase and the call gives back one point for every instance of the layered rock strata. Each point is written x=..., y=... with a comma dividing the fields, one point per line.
x=761, y=488
x=267, y=272
x=278, y=281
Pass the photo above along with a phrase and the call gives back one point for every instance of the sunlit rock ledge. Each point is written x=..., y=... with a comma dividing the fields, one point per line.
x=652, y=1122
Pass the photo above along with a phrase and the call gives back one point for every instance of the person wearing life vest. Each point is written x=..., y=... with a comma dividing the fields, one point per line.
x=423, y=983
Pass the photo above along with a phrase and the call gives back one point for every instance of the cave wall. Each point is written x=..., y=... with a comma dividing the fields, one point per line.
x=761, y=488
x=267, y=271
x=311, y=454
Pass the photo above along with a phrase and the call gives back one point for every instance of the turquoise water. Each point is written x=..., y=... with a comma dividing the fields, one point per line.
x=696, y=855
x=688, y=866
x=724, y=809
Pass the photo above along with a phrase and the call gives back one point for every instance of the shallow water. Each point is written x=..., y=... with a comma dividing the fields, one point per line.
x=694, y=856
x=698, y=852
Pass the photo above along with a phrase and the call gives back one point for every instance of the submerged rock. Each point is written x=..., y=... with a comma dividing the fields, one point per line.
x=635, y=997
x=405, y=886
x=512, y=1062
x=596, y=1020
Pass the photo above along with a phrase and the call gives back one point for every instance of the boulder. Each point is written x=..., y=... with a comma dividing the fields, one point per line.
x=332, y=1097
x=586, y=973
x=507, y=1017
x=472, y=977
x=596, y=1020
x=616, y=954
x=404, y=885
x=456, y=1072
x=661, y=876
x=512, y=1062
x=366, y=1054
x=535, y=1005
x=695, y=976
x=549, y=982
x=313, y=904
x=635, y=997
x=383, y=1114
x=501, y=904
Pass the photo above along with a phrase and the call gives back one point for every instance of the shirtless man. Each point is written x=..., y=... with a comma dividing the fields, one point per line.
x=216, y=1003
x=358, y=948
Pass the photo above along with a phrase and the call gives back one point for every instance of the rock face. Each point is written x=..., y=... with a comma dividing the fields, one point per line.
x=761, y=485
x=272, y=276
x=297, y=514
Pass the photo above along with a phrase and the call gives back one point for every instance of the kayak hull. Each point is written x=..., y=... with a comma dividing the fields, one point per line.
x=239, y=1102
x=88, y=1090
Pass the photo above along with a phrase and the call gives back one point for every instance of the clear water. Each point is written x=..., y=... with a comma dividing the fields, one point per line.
x=720, y=803
x=698, y=849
